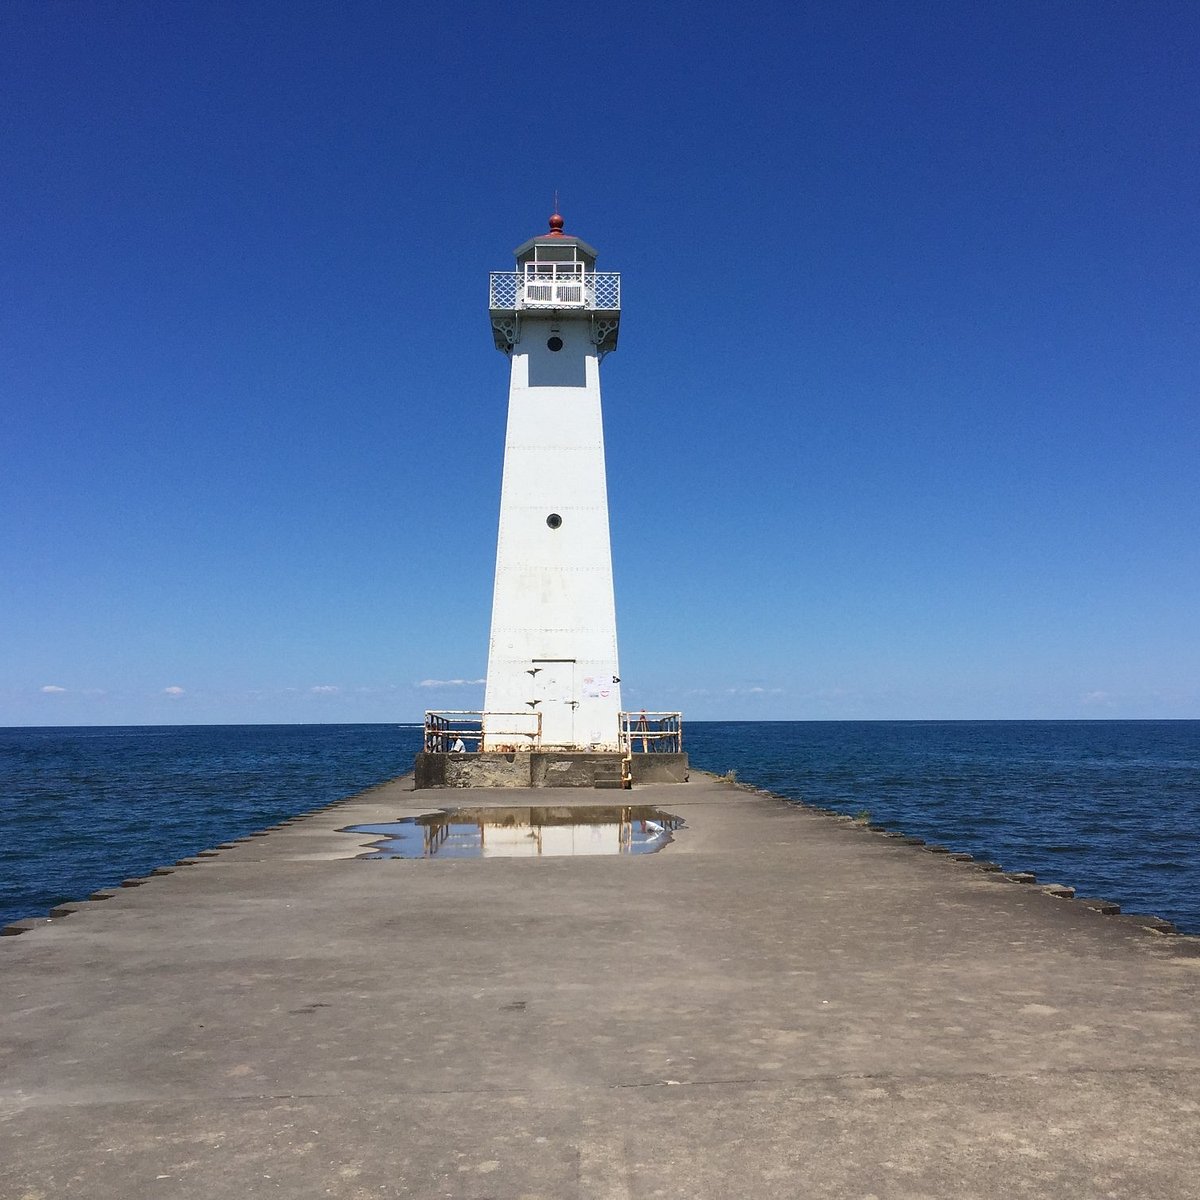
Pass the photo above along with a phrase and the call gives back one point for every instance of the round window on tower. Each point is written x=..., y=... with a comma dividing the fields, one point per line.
x=555, y=344
x=554, y=520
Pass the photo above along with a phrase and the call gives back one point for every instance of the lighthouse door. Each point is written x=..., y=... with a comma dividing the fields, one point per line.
x=554, y=691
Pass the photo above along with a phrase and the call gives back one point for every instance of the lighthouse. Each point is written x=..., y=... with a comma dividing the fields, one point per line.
x=552, y=713
x=553, y=678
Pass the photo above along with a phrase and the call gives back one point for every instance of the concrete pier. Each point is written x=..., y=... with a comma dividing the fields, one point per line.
x=778, y=1004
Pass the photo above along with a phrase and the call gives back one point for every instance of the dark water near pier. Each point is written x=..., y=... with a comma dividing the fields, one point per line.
x=1111, y=807
x=85, y=808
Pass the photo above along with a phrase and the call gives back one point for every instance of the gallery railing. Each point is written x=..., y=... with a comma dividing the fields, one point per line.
x=593, y=290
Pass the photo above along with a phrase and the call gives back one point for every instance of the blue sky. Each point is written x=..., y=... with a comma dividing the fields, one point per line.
x=903, y=423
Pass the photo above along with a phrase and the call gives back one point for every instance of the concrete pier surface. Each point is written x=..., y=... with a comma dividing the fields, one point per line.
x=778, y=1004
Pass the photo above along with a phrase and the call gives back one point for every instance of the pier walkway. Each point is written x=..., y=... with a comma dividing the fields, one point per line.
x=779, y=1004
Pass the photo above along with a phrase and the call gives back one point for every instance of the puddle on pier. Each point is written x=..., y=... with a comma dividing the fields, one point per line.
x=524, y=832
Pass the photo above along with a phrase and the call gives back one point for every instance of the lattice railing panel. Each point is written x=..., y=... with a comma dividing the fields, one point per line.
x=503, y=291
x=606, y=289
x=597, y=290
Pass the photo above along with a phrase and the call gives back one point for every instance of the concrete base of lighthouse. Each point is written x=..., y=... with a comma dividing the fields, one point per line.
x=544, y=769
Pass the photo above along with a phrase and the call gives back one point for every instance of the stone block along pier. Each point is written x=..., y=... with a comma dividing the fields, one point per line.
x=777, y=1003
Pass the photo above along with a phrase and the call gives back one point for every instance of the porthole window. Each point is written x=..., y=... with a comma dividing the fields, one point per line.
x=554, y=520
x=555, y=344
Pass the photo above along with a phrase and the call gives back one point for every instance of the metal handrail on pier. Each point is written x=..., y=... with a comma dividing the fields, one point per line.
x=652, y=732
x=502, y=730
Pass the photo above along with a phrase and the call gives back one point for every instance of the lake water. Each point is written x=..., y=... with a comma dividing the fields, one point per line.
x=1110, y=807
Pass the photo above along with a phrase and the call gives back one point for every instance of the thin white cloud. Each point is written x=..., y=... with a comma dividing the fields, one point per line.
x=173, y=690
x=52, y=689
x=324, y=689
x=1107, y=699
x=441, y=683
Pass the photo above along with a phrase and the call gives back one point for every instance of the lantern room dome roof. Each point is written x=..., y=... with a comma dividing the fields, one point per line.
x=556, y=236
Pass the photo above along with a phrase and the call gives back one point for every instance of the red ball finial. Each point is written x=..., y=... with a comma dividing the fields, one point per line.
x=556, y=225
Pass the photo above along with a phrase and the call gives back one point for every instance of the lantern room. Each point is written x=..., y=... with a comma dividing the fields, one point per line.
x=556, y=275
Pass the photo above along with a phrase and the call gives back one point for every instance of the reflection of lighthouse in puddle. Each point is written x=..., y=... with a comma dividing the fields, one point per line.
x=550, y=832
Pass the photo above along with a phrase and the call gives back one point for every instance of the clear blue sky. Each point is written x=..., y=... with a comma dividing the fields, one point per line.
x=903, y=423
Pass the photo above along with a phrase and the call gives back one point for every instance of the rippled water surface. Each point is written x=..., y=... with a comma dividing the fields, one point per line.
x=1111, y=807
x=85, y=808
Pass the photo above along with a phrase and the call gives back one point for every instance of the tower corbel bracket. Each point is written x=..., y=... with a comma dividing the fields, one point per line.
x=507, y=331
x=604, y=334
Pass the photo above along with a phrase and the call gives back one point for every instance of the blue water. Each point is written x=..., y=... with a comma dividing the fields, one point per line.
x=1110, y=807
x=82, y=809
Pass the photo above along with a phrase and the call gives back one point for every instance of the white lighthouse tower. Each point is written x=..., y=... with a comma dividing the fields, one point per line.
x=552, y=674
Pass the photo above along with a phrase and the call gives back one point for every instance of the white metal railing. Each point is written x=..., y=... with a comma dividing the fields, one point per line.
x=446, y=728
x=652, y=732
x=593, y=290
x=504, y=288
